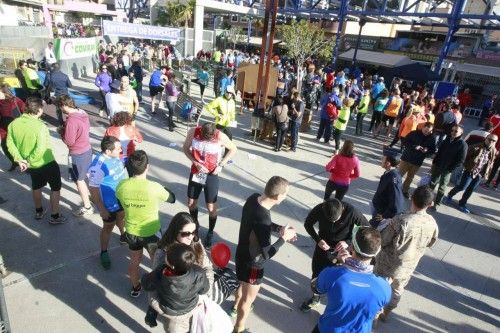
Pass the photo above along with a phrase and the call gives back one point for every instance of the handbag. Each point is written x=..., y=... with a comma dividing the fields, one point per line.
x=225, y=283
x=16, y=112
x=209, y=317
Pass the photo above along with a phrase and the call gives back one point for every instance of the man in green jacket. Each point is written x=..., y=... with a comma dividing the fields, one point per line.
x=223, y=109
x=28, y=140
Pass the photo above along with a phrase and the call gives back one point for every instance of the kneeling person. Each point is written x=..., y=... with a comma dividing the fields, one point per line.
x=336, y=220
x=363, y=293
x=139, y=198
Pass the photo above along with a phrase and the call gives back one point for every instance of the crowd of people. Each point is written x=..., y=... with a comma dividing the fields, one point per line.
x=369, y=261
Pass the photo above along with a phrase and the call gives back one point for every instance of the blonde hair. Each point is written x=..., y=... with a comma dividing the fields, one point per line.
x=5, y=88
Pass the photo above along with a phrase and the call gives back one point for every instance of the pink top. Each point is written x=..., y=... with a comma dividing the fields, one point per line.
x=76, y=132
x=343, y=169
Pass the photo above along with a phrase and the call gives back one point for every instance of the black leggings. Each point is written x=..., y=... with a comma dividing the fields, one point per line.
x=6, y=151
x=340, y=190
x=359, y=122
x=337, y=134
x=280, y=134
x=202, y=86
x=226, y=131
x=376, y=119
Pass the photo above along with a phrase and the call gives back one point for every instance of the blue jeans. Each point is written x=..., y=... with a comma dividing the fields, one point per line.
x=325, y=129
x=294, y=132
x=468, y=184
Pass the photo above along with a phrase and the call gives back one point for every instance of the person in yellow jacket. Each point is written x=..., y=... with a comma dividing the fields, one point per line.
x=223, y=109
x=362, y=110
x=340, y=124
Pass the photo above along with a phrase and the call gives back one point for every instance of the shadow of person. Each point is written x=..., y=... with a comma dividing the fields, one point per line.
x=74, y=71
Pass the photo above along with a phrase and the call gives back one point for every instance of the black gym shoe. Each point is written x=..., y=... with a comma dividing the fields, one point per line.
x=136, y=291
x=309, y=304
x=208, y=239
x=151, y=316
x=123, y=239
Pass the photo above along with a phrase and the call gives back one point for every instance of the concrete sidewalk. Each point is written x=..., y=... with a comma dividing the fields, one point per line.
x=55, y=282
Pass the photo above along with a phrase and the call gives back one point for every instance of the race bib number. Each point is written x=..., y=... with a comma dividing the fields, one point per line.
x=200, y=178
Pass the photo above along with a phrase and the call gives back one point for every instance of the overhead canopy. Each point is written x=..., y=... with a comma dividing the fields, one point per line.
x=413, y=72
x=478, y=69
x=376, y=58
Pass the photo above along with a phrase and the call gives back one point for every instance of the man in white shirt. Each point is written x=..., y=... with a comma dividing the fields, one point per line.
x=50, y=57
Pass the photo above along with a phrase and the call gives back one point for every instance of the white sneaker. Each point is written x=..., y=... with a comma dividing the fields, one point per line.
x=84, y=211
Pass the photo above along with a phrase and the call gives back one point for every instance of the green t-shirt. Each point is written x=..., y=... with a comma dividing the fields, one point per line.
x=28, y=139
x=140, y=199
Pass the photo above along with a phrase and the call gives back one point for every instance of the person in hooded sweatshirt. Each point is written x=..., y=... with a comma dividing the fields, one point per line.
x=179, y=283
x=75, y=134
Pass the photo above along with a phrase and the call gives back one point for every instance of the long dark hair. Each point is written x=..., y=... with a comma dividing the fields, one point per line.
x=176, y=225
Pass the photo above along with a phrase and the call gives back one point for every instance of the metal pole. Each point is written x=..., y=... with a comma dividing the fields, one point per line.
x=263, y=48
x=344, y=5
x=249, y=32
x=453, y=22
x=362, y=23
x=274, y=8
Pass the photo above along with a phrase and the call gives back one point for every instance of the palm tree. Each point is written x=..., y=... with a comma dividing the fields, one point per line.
x=181, y=13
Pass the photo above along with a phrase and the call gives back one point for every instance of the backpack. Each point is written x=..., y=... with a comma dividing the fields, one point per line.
x=186, y=110
x=332, y=111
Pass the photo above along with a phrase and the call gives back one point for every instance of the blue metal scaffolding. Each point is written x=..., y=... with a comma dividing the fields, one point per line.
x=408, y=13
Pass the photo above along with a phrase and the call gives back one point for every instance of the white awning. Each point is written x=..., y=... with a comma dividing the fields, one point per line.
x=376, y=58
x=478, y=69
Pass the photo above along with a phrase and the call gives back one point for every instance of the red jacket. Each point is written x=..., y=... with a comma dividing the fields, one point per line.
x=128, y=136
x=7, y=107
x=343, y=169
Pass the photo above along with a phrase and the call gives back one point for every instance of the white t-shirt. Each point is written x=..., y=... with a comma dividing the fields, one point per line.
x=114, y=102
x=50, y=57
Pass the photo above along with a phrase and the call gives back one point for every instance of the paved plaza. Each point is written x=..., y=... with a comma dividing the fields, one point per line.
x=56, y=284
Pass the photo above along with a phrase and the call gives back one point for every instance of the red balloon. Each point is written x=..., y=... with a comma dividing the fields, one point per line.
x=220, y=254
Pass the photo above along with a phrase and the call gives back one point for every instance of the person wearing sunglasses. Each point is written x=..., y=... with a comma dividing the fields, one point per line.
x=183, y=229
x=450, y=155
x=477, y=165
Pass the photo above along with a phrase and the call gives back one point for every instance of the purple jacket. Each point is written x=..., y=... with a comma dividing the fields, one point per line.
x=103, y=82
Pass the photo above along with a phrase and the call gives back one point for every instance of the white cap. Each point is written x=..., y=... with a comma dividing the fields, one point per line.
x=230, y=89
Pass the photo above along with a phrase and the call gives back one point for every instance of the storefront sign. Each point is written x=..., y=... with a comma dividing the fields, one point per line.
x=489, y=55
x=72, y=48
x=142, y=31
x=415, y=56
x=365, y=42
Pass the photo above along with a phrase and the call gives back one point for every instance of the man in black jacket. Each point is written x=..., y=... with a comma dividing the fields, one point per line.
x=418, y=145
x=388, y=200
x=450, y=155
x=336, y=220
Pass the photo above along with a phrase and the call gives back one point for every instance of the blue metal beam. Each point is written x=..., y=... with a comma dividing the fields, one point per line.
x=453, y=22
x=315, y=4
x=411, y=6
x=344, y=6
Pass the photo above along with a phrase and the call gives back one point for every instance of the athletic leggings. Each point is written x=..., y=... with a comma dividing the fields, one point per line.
x=376, y=119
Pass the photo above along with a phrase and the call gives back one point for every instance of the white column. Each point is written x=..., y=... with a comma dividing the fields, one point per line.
x=198, y=28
